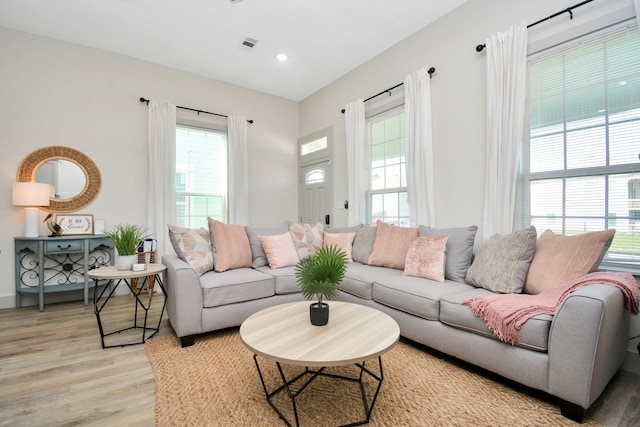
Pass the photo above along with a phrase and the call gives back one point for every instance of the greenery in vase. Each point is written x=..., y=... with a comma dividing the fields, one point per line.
x=126, y=238
x=320, y=274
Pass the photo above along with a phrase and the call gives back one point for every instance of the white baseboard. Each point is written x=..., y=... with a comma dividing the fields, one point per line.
x=7, y=302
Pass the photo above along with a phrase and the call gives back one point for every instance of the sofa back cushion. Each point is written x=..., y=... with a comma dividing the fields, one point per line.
x=258, y=256
x=503, y=261
x=230, y=245
x=391, y=245
x=192, y=246
x=459, y=248
x=560, y=258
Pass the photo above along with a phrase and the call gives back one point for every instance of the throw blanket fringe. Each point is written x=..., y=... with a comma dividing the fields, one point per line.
x=505, y=314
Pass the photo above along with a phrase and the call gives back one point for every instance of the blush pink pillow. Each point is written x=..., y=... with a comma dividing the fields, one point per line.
x=426, y=258
x=560, y=258
x=391, y=245
x=343, y=241
x=231, y=246
x=280, y=250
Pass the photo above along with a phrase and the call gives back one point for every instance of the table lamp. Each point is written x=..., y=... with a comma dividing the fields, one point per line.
x=31, y=195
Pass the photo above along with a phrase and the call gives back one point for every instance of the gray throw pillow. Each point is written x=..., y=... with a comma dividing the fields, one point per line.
x=363, y=244
x=259, y=257
x=459, y=248
x=502, y=263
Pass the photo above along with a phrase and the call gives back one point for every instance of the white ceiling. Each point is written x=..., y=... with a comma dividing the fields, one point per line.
x=324, y=39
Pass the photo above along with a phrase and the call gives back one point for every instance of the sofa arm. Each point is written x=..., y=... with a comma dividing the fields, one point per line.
x=587, y=345
x=184, y=296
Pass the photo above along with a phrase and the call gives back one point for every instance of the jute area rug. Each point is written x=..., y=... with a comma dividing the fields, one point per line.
x=215, y=383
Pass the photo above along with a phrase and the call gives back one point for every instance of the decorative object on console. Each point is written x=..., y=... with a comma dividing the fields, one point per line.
x=55, y=229
x=319, y=275
x=32, y=195
x=126, y=238
x=74, y=224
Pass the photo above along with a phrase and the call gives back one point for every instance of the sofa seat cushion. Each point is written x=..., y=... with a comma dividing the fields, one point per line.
x=237, y=285
x=359, y=278
x=415, y=295
x=285, y=279
x=534, y=334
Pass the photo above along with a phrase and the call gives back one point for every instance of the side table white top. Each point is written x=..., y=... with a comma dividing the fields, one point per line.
x=112, y=272
x=284, y=334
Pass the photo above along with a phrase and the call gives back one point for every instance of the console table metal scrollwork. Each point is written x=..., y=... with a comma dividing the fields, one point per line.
x=56, y=264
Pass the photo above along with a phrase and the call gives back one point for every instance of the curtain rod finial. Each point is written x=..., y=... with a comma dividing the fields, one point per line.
x=480, y=47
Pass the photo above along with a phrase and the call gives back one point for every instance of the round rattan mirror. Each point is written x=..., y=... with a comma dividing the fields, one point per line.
x=28, y=171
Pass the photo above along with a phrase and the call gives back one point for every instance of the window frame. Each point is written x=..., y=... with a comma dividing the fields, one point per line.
x=401, y=191
x=206, y=127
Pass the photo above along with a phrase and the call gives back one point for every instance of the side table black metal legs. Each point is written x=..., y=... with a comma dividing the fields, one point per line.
x=100, y=301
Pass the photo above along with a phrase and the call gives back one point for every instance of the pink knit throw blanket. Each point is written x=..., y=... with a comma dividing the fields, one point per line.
x=506, y=313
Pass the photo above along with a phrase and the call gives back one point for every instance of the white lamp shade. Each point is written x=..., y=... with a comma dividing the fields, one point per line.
x=30, y=194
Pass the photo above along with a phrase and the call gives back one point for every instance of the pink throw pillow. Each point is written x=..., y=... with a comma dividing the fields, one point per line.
x=560, y=258
x=343, y=241
x=231, y=245
x=280, y=250
x=391, y=245
x=426, y=258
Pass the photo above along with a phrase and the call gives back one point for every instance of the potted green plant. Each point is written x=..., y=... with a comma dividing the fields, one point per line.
x=126, y=238
x=318, y=276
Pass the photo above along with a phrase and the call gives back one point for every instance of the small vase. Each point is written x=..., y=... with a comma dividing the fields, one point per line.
x=125, y=262
x=319, y=314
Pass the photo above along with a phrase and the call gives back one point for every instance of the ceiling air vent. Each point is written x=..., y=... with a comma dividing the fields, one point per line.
x=249, y=42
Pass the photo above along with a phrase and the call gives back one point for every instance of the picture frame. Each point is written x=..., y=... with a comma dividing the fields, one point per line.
x=75, y=224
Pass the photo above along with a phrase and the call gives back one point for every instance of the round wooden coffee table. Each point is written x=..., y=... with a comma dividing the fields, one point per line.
x=355, y=333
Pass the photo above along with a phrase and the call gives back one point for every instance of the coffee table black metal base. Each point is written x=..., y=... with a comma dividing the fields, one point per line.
x=287, y=386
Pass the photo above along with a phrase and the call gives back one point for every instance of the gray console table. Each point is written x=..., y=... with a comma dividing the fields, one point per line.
x=56, y=264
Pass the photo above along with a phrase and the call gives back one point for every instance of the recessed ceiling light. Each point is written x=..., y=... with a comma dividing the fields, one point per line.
x=281, y=57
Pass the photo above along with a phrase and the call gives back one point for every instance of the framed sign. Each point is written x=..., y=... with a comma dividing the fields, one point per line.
x=74, y=224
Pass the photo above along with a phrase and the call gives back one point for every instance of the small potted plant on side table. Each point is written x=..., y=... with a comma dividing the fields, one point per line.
x=126, y=238
x=319, y=276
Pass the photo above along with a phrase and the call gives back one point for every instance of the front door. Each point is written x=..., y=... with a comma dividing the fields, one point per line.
x=315, y=197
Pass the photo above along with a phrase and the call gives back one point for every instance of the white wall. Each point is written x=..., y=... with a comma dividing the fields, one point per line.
x=57, y=93
x=458, y=94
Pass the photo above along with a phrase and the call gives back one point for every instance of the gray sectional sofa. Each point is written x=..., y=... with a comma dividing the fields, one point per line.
x=571, y=355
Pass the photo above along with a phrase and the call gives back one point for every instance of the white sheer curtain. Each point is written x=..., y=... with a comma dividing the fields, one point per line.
x=356, y=167
x=419, y=148
x=161, y=191
x=636, y=4
x=238, y=170
x=506, y=90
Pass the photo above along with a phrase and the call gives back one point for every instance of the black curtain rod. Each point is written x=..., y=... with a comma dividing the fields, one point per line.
x=568, y=10
x=430, y=71
x=193, y=109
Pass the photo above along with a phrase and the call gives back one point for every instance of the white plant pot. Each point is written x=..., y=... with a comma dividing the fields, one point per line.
x=125, y=262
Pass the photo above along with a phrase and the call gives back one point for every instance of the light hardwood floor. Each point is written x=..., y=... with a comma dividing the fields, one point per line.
x=54, y=372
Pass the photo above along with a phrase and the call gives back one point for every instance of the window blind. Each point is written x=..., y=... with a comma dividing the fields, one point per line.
x=582, y=164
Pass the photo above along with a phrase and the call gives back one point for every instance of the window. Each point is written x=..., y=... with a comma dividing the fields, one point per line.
x=313, y=146
x=201, y=176
x=314, y=176
x=582, y=170
x=388, y=200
